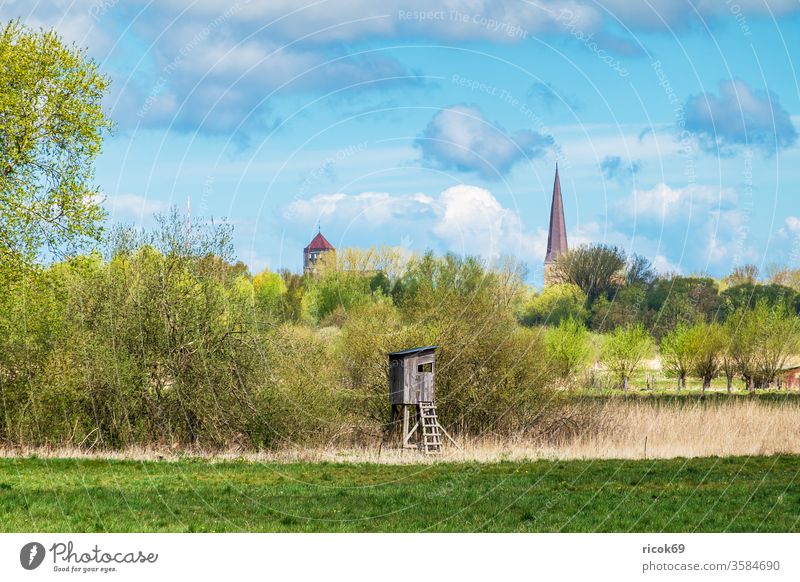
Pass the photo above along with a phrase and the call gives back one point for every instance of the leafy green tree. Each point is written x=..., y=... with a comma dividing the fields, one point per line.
x=51, y=130
x=710, y=343
x=568, y=349
x=728, y=363
x=678, y=351
x=269, y=290
x=338, y=291
x=294, y=303
x=677, y=300
x=778, y=341
x=626, y=307
x=598, y=270
x=639, y=271
x=748, y=295
x=624, y=350
x=462, y=277
x=492, y=374
x=744, y=329
x=555, y=304
x=763, y=340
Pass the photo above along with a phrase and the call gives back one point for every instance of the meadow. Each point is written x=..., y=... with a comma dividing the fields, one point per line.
x=737, y=494
x=715, y=464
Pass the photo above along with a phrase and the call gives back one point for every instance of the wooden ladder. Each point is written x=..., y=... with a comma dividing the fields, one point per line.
x=431, y=442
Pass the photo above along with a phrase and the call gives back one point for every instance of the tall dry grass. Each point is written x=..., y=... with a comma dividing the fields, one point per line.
x=614, y=429
x=637, y=430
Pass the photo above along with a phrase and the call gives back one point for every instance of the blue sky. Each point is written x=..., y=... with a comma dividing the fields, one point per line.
x=438, y=125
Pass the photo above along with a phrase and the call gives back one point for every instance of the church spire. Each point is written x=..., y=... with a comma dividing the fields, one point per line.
x=557, y=240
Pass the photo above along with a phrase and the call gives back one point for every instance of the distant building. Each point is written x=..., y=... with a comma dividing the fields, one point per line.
x=791, y=377
x=318, y=245
x=557, y=243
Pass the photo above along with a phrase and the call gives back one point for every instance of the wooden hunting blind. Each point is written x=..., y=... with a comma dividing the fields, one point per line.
x=412, y=376
x=412, y=390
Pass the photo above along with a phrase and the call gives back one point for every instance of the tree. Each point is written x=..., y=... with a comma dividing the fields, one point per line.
x=568, y=348
x=728, y=361
x=640, y=271
x=763, y=340
x=624, y=350
x=678, y=352
x=785, y=276
x=270, y=291
x=743, y=275
x=743, y=329
x=339, y=291
x=778, y=341
x=626, y=307
x=597, y=270
x=676, y=300
x=51, y=129
x=709, y=341
x=749, y=295
x=556, y=303
x=294, y=299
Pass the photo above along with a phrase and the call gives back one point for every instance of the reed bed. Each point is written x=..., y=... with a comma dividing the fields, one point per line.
x=613, y=429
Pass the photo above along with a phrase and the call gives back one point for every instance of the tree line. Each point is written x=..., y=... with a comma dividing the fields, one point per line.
x=738, y=327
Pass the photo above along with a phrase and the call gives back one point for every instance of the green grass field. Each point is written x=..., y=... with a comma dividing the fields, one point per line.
x=705, y=495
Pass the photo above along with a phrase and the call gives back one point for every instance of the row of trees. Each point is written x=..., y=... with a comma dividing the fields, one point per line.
x=754, y=344
x=603, y=288
x=704, y=328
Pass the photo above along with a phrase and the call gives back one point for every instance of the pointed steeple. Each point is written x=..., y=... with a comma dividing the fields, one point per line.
x=557, y=240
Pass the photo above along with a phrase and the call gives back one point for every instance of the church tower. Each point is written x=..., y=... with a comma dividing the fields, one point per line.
x=557, y=239
x=318, y=246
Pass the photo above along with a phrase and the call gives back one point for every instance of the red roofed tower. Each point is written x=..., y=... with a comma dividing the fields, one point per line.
x=557, y=240
x=318, y=245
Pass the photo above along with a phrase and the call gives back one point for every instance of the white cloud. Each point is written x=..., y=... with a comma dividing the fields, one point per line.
x=703, y=225
x=461, y=138
x=470, y=220
x=467, y=19
x=665, y=204
x=663, y=15
x=664, y=266
x=791, y=230
x=740, y=116
x=374, y=208
x=464, y=219
x=134, y=205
